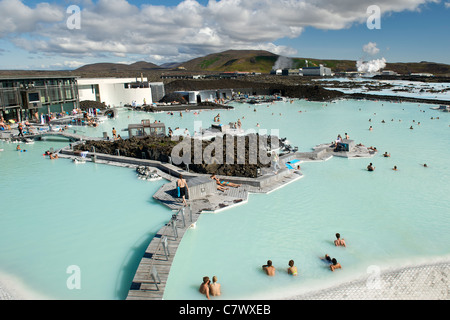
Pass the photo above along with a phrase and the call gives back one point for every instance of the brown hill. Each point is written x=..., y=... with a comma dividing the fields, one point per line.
x=229, y=61
x=399, y=67
x=116, y=67
x=234, y=60
x=263, y=61
x=419, y=67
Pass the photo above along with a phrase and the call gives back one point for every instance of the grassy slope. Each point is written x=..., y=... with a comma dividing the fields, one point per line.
x=234, y=60
x=230, y=61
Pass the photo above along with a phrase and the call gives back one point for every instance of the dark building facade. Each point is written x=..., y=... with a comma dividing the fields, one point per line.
x=28, y=97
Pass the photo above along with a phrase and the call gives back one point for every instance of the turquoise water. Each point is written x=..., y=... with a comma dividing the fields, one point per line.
x=56, y=214
x=388, y=218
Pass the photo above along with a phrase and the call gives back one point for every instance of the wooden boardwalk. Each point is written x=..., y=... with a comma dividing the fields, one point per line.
x=151, y=276
x=153, y=271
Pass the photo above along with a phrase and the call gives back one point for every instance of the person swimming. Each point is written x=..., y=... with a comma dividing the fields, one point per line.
x=370, y=167
x=326, y=259
x=335, y=265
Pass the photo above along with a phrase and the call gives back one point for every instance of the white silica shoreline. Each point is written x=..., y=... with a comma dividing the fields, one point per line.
x=419, y=282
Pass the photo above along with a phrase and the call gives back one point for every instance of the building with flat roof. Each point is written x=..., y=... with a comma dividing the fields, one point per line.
x=158, y=91
x=422, y=74
x=291, y=72
x=115, y=92
x=320, y=71
x=200, y=96
x=24, y=98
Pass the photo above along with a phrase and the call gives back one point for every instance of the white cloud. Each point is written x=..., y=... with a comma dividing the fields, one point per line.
x=371, y=48
x=73, y=64
x=16, y=17
x=65, y=65
x=190, y=29
x=447, y=5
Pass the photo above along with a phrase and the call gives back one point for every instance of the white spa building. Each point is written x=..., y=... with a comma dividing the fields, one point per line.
x=117, y=92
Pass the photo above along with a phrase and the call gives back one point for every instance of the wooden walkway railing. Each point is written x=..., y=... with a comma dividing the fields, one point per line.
x=151, y=276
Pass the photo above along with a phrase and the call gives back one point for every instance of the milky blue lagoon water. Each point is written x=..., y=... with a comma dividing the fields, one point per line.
x=101, y=218
x=55, y=214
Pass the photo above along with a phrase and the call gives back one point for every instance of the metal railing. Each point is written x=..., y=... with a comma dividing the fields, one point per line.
x=170, y=230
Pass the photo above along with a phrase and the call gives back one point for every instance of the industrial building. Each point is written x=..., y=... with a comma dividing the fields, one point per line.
x=291, y=72
x=158, y=91
x=286, y=72
x=23, y=98
x=320, y=71
x=277, y=72
x=194, y=97
x=389, y=73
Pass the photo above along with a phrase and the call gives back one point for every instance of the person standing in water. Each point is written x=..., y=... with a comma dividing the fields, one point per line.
x=339, y=242
x=269, y=268
x=214, y=287
x=292, y=269
x=204, y=287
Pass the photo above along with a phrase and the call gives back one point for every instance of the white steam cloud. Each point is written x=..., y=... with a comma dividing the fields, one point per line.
x=372, y=66
x=283, y=63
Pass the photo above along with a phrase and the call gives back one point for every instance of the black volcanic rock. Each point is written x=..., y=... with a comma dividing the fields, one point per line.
x=253, y=157
x=301, y=91
x=88, y=104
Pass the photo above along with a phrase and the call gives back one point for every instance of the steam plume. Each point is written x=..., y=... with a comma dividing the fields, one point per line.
x=371, y=66
x=283, y=63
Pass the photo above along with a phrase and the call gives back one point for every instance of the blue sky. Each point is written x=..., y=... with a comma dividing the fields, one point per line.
x=164, y=31
x=403, y=37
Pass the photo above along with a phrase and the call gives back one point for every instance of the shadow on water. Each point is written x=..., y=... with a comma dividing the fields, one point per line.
x=130, y=265
x=131, y=262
